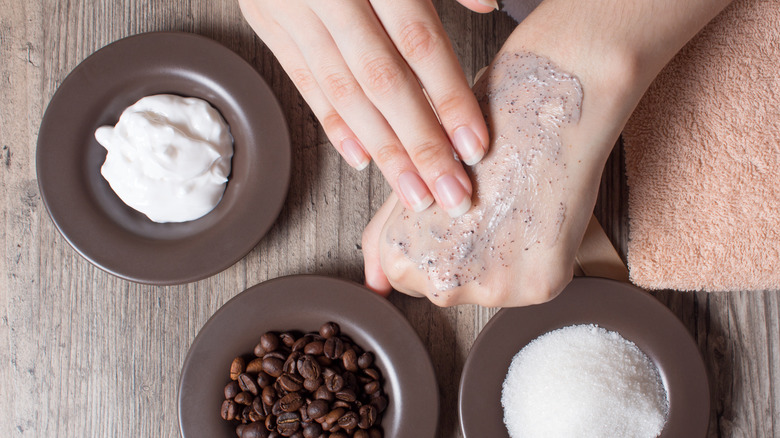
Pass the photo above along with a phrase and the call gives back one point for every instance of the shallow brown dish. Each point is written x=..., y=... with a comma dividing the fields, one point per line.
x=303, y=303
x=113, y=236
x=620, y=307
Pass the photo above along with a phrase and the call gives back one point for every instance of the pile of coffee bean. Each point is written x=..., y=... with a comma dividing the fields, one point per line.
x=318, y=385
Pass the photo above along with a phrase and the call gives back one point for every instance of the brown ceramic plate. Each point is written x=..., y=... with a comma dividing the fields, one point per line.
x=117, y=238
x=620, y=307
x=303, y=303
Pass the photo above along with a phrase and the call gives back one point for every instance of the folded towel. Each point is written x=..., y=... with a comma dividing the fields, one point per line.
x=703, y=160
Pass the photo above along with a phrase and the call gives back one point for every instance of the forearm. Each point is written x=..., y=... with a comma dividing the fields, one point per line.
x=615, y=47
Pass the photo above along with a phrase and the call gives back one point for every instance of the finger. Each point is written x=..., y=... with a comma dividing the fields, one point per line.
x=417, y=32
x=340, y=135
x=345, y=94
x=376, y=279
x=481, y=6
x=394, y=90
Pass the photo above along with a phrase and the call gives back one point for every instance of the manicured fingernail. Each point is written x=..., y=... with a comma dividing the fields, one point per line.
x=492, y=3
x=468, y=145
x=414, y=191
x=354, y=154
x=453, y=197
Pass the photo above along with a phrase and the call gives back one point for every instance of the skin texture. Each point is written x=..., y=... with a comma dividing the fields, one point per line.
x=365, y=68
x=614, y=65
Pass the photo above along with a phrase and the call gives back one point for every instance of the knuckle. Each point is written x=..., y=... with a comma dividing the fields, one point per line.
x=418, y=41
x=449, y=105
x=341, y=86
x=331, y=121
x=382, y=74
x=303, y=80
x=430, y=155
x=387, y=154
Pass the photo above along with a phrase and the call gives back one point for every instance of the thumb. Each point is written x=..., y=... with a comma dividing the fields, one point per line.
x=481, y=6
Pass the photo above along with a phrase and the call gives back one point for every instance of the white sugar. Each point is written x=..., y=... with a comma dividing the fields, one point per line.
x=583, y=381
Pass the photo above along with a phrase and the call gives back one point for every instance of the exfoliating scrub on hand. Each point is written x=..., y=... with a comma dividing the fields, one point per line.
x=583, y=381
x=168, y=157
x=519, y=186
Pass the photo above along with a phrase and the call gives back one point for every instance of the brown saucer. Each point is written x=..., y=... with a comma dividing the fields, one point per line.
x=113, y=236
x=303, y=303
x=620, y=307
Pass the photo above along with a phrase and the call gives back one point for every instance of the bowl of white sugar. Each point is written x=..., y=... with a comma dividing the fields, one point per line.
x=603, y=359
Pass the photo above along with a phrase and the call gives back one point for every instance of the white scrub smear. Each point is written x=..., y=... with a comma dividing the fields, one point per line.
x=583, y=381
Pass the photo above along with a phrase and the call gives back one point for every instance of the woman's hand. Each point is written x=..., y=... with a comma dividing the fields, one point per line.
x=365, y=68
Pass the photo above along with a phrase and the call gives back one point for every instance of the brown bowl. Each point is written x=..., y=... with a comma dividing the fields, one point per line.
x=119, y=239
x=303, y=303
x=615, y=306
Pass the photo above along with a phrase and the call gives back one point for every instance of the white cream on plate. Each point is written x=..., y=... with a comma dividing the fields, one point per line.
x=168, y=157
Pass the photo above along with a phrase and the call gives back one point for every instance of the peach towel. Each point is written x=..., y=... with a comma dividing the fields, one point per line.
x=703, y=160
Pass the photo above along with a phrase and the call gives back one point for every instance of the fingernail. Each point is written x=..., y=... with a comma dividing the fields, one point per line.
x=492, y=3
x=354, y=154
x=468, y=145
x=414, y=191
x=453, y=197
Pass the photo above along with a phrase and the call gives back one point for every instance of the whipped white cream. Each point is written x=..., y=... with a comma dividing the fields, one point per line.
x=168, y=157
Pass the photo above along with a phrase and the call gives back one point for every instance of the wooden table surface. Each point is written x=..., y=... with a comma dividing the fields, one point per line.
x=85, y=354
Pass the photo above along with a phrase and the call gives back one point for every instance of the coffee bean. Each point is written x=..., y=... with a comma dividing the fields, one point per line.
x=274, y=434
x=329, y=329
x=290, y=382
x=334, y=382
x=308, y=367
x=367, y=416
x=254, y=366
x=360, y=433
x=269, y=395
x=273, y=366
x=244, y=398
x=269, y=342
x=254, y=430
x=290, y=365
x=291, y=402
x=375, y=433
x=317, y=409
x=300, y=344
x=264, y=379
x=348, y=395
x=257, y=405
x=372, y=373
x=288, y=339
x=237, y=367
x=312, y=430
x=333, y=348
x=365, y=360
x=231, y=389
x=338, y=434
x=372, y=387
x=332, y=417
x=380, y=403
x=311, y=385
x=229, y=410
x=340, y=404
x=314, y=348
x=322, y=393
x=288, y=423
x=247, y=383
x=349, y=420
x=350, y=360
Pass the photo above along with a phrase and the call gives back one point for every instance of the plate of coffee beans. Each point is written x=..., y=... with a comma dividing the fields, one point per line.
x=308, y=356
